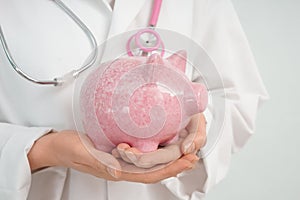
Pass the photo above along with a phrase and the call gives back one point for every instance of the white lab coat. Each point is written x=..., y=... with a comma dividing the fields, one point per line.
x=46, y=43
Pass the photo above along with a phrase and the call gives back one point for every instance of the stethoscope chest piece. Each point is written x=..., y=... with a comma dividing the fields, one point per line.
x=143, y=42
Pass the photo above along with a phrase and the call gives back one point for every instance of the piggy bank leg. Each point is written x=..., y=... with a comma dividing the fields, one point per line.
x=173, y=140
x=146, y=146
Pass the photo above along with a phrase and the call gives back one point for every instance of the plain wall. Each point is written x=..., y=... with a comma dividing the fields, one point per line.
x=269, y=165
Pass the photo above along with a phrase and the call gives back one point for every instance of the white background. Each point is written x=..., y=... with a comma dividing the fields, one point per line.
x=269, y=165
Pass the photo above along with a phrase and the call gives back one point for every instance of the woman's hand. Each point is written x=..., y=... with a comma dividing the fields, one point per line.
x=66, y=149
x=191, y=139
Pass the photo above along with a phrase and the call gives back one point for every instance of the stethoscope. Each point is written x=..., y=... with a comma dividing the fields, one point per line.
x=138, y=40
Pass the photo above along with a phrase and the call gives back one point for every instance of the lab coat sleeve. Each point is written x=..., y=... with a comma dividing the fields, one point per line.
x=15, y=173
x=220, y=33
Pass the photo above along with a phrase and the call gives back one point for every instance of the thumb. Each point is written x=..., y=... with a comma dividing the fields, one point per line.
x=110, y=163
x=105, y=160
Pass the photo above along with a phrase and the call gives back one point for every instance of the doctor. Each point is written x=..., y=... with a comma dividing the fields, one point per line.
x=48, y=44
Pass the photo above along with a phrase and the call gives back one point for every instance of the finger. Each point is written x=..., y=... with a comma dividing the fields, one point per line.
x=200, y=138
x=116, y=153
x=178, y=166
x=133, y=154
x=183, y=133
x=121, y=150
x=103, y=173
x=197, y=134
x=98, y=160
x=150, y=159
x=184, y=163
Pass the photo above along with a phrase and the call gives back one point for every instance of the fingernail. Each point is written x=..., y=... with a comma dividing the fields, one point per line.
x=131, y=156
x=115, y=153
x=112, y=172
x=196, y=159
x=183, y=133
x=189, y=147
x=190, y=167
x=120, y=148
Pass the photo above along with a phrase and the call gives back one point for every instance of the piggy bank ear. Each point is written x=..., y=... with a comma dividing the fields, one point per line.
x=155, y=59
x=178, y=59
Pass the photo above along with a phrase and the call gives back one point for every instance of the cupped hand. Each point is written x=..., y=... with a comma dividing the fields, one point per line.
x=191, y=139
x=69, y=149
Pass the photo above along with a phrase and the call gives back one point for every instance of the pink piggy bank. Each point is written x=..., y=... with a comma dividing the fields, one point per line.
x=141, y=101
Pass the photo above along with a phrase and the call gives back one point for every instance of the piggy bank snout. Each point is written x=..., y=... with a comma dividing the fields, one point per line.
x=201, y=94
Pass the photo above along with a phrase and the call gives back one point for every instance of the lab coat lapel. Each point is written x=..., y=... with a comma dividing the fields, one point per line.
x=107, y=4
x=124, y=13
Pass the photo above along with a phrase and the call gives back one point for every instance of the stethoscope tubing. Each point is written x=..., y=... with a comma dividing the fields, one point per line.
x=74, y=73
